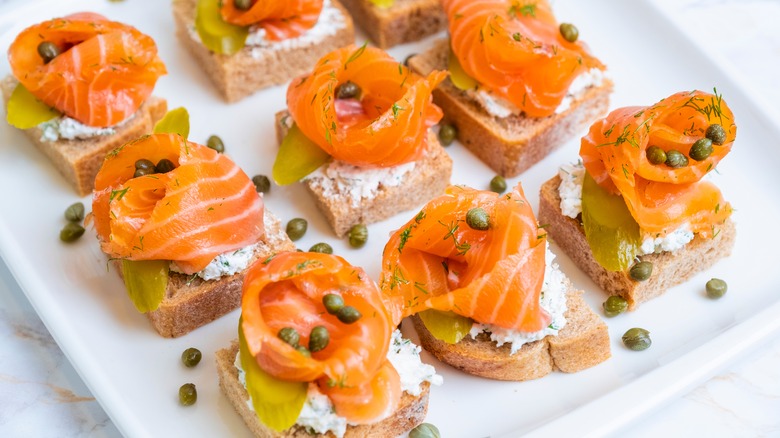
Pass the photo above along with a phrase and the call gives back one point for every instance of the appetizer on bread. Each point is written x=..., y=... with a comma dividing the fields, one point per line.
x=248, y=45
x=519, y=85
x=80, y=87
x=474, y=272
x=318, y=354
x=392, y=22
x=357, y=132
x=635, y=214
x=182, y=223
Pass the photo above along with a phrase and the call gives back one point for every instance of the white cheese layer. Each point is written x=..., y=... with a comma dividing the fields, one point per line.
x=330, y=22
x=66, y=128
x=337, y=179
x=318, y=414
x=552, y=299
x=499, y=107
x=228, y=263
x=570, y=191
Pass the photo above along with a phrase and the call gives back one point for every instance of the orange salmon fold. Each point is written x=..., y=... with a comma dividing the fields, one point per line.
x=281, y=19
x=105, y=72
x=204, y=207
x=659, y=197
x=387, y=127
x=495, y=276
x=515, y=50
x=353, y=369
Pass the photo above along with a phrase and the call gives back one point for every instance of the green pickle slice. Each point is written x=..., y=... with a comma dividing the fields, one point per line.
x=278, y=403
x=25, y=111
x=382, y=3
x=446, y=326
x=215, y=33
x=298, y=156
x=612, y=233
x=458, y=76
x=176, y=121
x=146, y=282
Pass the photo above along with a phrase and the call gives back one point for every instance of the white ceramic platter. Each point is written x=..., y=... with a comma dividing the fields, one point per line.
x=135, y=374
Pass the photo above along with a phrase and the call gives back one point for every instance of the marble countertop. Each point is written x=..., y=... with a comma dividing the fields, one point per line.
x=41, y=395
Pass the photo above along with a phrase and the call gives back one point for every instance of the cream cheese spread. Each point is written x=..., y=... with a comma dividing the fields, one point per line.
x=337, y=179
x=228, y=263
x=502, y=108
x=66, y=128
x=318, y=414
x=552, y=299
x=570, y=191
x=330, y=22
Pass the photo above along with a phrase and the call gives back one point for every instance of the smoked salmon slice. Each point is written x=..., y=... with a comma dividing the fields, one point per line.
x=281, y=19
x=353, y=370
x=204, y=207
x=388, y=124
x=105, y=70
x=662, y=198
x=515, y=49
x=494, y=276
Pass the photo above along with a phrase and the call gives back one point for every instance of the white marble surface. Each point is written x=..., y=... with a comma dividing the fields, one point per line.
x=41, y=395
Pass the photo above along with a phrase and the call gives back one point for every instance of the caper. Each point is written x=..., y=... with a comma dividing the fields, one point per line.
x=191, y=357
x=641, y=271
x=318, y=339
x=478, y=219
x=332, y=303
x=406, y=60
x=188, y=395
x=425, y=430
x=348, y=314
x=214, y=142
x=289, y=335
x=143, y=163
x=655, y=155
x=321, y=247
x=701, y=149
x=164, y=166
x=716, y=133
x=75, y=212
x=296, y=228
x=615, y=305
x=358, y=235
x=676, y=159
x=48, y=51
x=569, y=32
x=716, y=288
x=348, y=90
x=243, y=5
x=637, y=339
x=498, y=184
x=447, y=134
x=71, y=232
x=143, y=172
x=262, y=183
x=303, y=350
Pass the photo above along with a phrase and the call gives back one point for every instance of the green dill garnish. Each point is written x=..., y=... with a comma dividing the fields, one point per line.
x=462, y=247
x=118, y=194
x=356, y=54
x=526, y=10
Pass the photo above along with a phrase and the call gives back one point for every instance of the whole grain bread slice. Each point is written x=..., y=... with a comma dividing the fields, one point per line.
x=191, y=302
x=79, y=160
x=410, y=413
x=513, y=144
x=253, y=68
x=404, y=22
x=581, y=344
x=428, y=179
x=669, y=268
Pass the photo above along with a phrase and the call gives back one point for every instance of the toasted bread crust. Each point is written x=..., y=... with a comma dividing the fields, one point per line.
x=428, y=179
x=513, y=144
x=410, y=413
x=406, y=21
x=191, y=302
x=79, y=160
x=669, y=268
x=251, y=69
x=581, y=344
